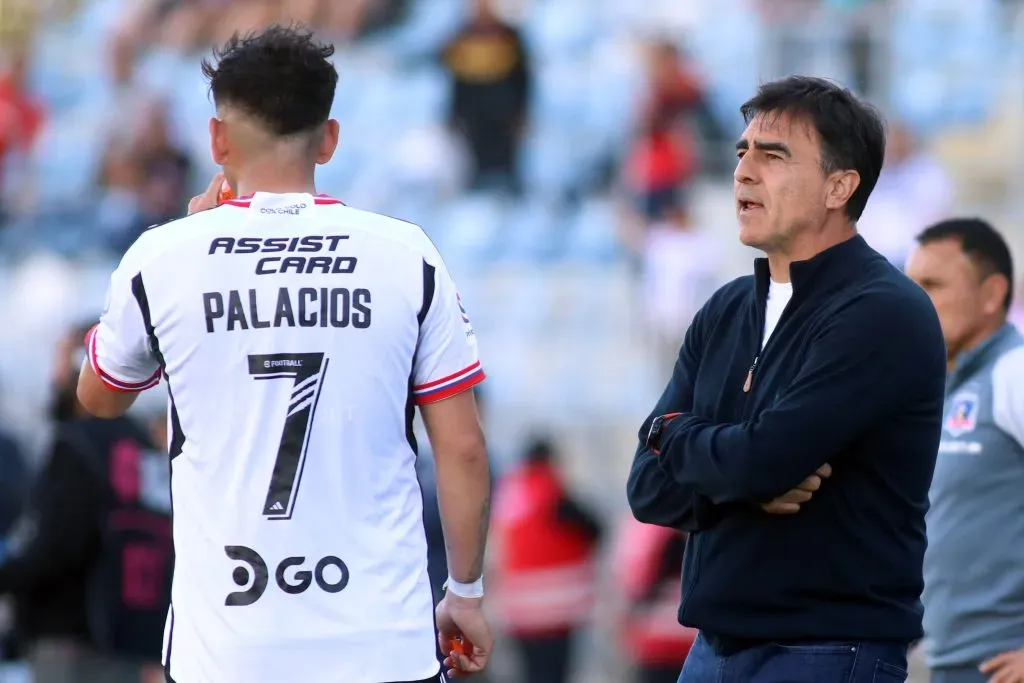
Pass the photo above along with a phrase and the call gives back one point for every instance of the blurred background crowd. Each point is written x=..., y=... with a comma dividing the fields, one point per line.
x=571, y=159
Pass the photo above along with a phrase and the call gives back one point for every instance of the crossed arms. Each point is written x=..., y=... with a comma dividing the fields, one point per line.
x=860, y=367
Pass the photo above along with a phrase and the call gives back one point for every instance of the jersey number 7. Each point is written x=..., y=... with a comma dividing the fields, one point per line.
x=307, y=371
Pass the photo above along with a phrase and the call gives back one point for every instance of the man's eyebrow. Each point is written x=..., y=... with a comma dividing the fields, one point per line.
x=781, y=148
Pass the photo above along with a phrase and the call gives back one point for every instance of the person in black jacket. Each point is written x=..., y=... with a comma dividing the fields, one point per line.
x=490, y=72
x=13, y=482
x=89, y=559
x=797, y=437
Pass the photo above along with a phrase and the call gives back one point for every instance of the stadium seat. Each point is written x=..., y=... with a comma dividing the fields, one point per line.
x=470, y=228
x=593, y=236
x=534, y=232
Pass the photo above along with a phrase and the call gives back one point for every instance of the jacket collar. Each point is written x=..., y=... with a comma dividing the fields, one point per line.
x=833, y=265
x=969, y=362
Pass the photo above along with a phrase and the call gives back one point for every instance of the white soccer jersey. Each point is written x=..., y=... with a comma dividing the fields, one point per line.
x=295, y=335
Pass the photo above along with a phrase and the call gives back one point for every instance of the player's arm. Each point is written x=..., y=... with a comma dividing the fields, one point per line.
x=877, y=354
x=120, y=359
x=445, y=369
x=463, y=482
x=98, y=398
x=654, y=496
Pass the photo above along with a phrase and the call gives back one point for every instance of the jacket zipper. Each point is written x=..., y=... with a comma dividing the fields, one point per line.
x=750, y=375
x=749, y=382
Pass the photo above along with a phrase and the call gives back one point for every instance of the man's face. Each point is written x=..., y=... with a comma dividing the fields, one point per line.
x=779, y=186
x=953, y=283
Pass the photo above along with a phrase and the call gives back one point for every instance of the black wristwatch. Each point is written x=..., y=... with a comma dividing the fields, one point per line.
x=657, y=429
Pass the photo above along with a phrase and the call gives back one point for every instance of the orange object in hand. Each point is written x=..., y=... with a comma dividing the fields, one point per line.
x=460, y=645
x=225, y=193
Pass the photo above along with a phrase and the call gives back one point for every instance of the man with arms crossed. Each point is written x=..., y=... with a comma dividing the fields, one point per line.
x=974, y=568
x=796, y=439
x=296, y=336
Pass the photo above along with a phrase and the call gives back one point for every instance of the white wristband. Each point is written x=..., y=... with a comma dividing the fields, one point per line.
x=465, y=590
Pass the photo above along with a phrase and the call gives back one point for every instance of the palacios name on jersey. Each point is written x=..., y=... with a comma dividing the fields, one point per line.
x=308, y=306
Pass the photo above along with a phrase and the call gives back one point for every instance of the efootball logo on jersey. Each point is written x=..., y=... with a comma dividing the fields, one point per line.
x=963, y=414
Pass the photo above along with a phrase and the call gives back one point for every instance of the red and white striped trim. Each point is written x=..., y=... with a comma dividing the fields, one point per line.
x=245, y=202
x=449, y=386
x=109, y=380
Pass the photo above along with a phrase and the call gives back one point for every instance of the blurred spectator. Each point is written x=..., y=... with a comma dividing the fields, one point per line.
x=191, y=24
x=145, y=175
x=18, y=19
x=356, y=18
x=680, y=268
x=21, y=116
x=649, y=573
x=913, y=192
x=663, y=158
x=490, y=69
x=89, y=561
x=13, y=483
x=543, y=583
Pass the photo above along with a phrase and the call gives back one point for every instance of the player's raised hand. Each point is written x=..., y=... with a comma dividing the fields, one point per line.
x=463, y=634
x=789, y=502
x=209, y=198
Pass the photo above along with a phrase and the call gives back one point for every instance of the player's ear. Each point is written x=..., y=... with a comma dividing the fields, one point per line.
x=332, y=133
x=218, y=141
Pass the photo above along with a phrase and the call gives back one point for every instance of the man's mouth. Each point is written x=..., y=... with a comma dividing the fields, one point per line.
x=747, y=205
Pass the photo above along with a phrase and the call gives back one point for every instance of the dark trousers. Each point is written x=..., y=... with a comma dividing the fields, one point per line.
x=865, y=662
x=545, y=659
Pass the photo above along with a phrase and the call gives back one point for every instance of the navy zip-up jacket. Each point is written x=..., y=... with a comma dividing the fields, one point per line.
x=853, y=376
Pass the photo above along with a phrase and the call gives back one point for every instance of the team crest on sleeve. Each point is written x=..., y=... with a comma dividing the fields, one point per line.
x=963, y=414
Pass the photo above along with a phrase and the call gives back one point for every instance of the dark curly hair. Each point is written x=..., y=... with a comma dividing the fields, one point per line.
x=280, y=76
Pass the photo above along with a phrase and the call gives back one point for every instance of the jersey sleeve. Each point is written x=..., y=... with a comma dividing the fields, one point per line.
x=446, y=361
x=118, y=347
x=1008, y=394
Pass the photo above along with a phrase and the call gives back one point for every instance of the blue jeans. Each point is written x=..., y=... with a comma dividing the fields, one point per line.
x=813, y=662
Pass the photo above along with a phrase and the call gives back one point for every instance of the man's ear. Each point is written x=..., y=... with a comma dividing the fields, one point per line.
x=218, y=141
x=841, y=186
x=993, y=293
x=329, y=143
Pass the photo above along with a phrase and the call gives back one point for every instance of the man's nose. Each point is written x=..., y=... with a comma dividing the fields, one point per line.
x=744, y=174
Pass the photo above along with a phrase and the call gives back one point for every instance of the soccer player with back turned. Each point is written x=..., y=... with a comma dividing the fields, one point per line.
x=296, y=336
x=797, y=437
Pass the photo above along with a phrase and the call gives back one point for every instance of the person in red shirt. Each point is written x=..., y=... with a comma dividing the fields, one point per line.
x=544, y=578
x=21, y=115
x=648, y=578
x=663, y=158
